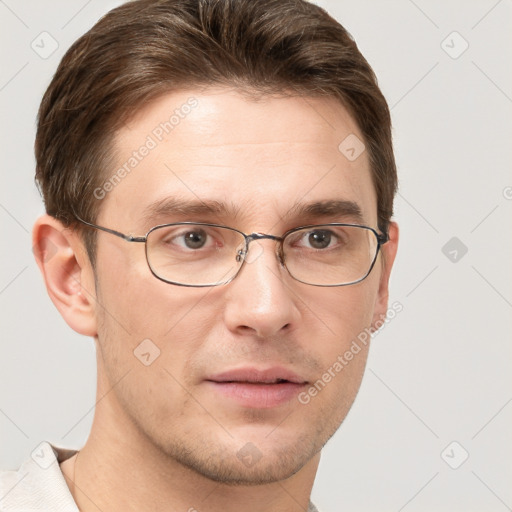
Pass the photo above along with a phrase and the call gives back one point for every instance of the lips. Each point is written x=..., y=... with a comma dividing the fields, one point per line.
x=254, y=375
x=257, y=388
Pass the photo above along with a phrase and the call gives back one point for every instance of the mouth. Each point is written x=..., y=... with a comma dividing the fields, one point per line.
x=255, y=388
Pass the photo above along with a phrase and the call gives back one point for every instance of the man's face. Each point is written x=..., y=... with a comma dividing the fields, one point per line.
x=260, y=159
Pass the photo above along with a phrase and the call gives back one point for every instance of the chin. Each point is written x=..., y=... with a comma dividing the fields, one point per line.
x=246, y=463
x=246, y=472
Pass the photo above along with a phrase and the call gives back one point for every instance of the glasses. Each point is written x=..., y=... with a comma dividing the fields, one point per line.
x=201, y=254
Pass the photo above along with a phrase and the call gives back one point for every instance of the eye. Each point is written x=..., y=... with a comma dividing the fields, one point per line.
x=194, y=239
x=319, y=239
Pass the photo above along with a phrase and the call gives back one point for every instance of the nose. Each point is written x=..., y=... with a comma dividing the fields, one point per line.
x=261, y=301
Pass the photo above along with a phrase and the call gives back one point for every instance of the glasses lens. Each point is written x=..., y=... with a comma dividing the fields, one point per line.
x=194, y=254
x=330, y=255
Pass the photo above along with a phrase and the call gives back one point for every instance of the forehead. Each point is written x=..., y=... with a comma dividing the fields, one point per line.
x=260, y=160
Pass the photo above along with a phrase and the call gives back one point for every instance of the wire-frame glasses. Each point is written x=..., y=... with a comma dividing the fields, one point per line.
x=202, y=254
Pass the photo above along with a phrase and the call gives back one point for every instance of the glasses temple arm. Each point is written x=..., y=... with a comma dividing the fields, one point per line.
x=382, y=238
x=128, y=238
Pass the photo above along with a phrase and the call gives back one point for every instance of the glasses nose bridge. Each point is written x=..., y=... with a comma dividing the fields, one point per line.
x=262, y=236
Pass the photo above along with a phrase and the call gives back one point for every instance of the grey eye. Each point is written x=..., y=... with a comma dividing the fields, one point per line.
x=195, y=239
x=320, y=239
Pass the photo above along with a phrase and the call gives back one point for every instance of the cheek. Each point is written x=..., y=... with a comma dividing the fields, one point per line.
x=143, y=319
x=347, y=311
x=132, y=299
x=147, y=337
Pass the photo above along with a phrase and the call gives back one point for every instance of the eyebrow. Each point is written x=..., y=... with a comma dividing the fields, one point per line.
x=330, y=209
x=173, y=206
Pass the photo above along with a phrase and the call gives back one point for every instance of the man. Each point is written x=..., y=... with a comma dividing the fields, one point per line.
x=218, y=178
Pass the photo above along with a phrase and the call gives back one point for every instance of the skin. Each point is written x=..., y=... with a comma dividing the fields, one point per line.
x=162, y=438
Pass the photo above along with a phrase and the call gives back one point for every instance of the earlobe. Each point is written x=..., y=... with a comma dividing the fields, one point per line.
x=389, y=250
x=67, y=273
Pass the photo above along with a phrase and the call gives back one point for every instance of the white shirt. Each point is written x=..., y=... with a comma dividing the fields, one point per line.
x=39, y=484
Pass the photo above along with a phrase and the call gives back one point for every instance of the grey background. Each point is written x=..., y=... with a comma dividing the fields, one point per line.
x=438, y=372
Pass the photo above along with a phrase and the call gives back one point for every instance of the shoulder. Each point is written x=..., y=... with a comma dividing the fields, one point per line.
x=38, y=484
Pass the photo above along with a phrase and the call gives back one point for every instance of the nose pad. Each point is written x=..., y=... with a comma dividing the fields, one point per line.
x=254, y=252
x=250, y=253
x=280, y=255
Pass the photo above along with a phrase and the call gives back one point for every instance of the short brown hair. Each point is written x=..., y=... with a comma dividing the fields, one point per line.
x=146, y=48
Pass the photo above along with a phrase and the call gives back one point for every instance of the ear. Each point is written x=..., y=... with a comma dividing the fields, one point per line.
x=67, y=272
x=388, y=253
